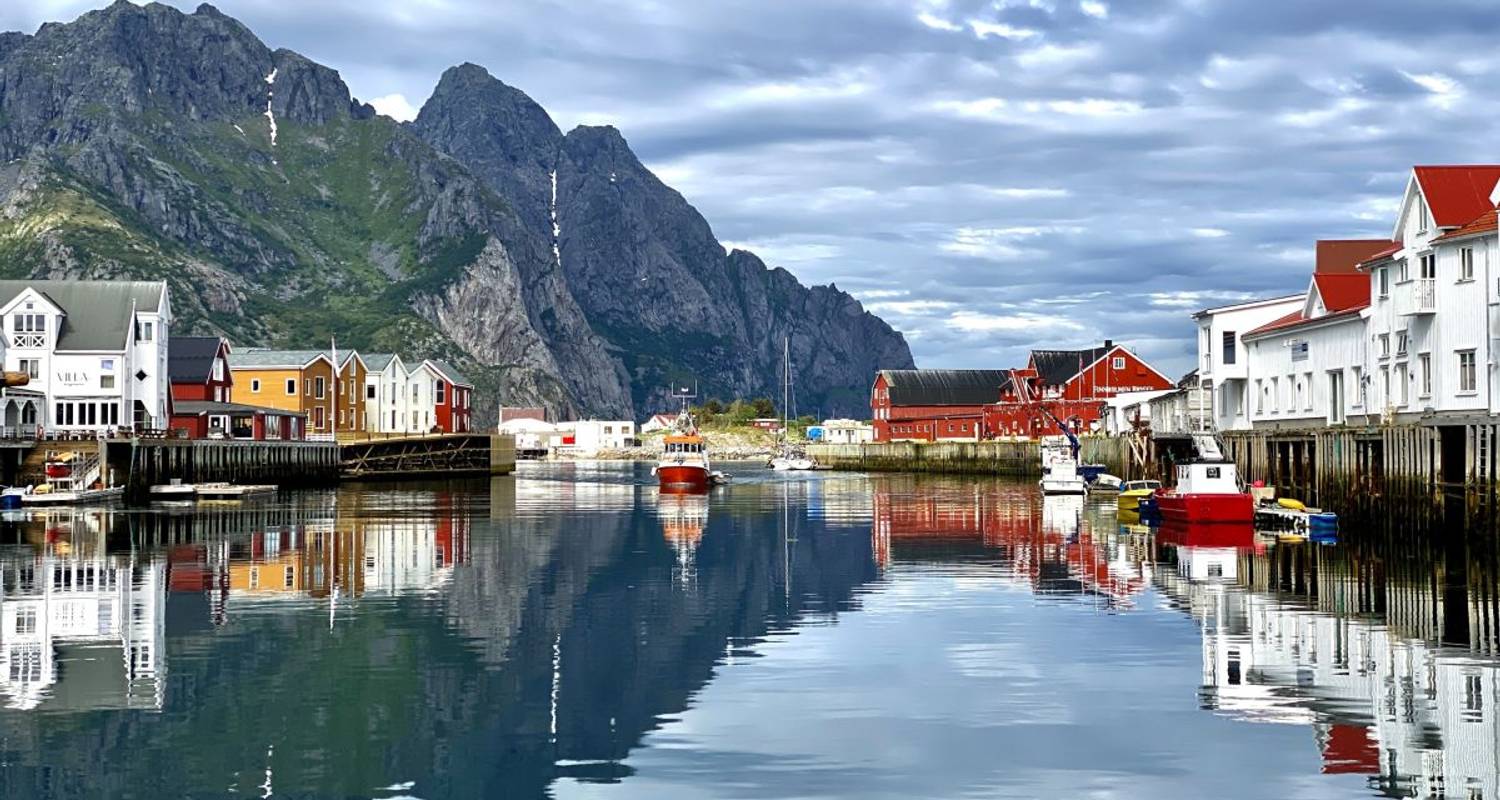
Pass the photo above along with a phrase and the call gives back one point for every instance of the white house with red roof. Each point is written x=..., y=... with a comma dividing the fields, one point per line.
x=1432, y=321
x=1306, y=369
x=1395, y=330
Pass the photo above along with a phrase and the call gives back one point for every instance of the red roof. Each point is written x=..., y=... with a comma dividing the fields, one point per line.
x=1343, y=292
x=1345, y=255
x=1394, y=248
x=1484, y=224
x=1458, y=195
x=1283, y=322
x=1295, y=319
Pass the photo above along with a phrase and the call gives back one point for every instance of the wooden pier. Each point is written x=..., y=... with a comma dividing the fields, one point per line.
x=434, y=456
x=1015, y=458
x=139, y=464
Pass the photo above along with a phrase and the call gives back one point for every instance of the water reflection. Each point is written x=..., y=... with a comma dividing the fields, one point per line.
x=572, y=632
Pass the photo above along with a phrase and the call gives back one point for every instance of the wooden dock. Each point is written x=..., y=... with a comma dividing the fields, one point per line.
x=1015, y=458
x=431, y=456
x=143, y=463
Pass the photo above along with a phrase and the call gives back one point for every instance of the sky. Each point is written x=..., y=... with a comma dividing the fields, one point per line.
x=989, y=176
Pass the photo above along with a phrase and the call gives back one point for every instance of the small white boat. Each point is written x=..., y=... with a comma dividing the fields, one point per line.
x=1063, y=478
x=36, y=497
x=230, y=491
x=175, y=489
x=784, y=463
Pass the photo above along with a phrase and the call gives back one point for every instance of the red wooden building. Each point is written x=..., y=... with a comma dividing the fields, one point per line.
x=931, y=404
x=972, y=405
x=452, y=398
x=201, y=385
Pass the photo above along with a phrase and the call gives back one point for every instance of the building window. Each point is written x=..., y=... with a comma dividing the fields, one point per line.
x=291, y=386
x=1229, y=347
x=145, y=332
x=1299, y=351
x=1401, y=274
x=106, y=381
x=318, y=418
x=1307, y=384
x=1467, y=379
x=1275, y=393
x=1403, y=384
x=370, y=392
x=1466, y=263
x=1385, y=385
x=1424, y=370
x=1421, y=214
x=1260, y=398
x=1402, y=340
x=320, y=387
x=1385, y=345
x=439, y=392
x=255, y=385
x=1385, y=281
x=1429, y=266
x=25, y=620
x=32, y=367
x=1118, y=363
x=1358, y=400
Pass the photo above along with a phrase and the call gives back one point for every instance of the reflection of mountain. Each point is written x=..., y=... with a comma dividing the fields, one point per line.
x=1384, y=700
x=552, y=647
x=1040, y=542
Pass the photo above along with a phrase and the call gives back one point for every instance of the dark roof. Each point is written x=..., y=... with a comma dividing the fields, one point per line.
x=447, y=371
x=98, y=312
x=190, y=359
x=1343, y=256
x=283, y=359
x=945, y=387
x=192, y=407
x=1057, y=367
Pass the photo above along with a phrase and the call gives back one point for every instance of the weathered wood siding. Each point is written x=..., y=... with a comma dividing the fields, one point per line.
x=1014, y=458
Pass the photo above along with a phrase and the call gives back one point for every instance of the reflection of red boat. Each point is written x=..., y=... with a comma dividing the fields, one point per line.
x=1240, y=535
x=1206, y=492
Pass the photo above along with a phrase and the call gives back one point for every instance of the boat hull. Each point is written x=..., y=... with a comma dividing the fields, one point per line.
x=1063, y=486
x=1206, y=508
x=683, y=478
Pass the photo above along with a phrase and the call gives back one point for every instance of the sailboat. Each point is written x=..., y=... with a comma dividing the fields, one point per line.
x=788, y=457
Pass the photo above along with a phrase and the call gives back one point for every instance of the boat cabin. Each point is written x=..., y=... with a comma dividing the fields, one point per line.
x=1140, y=486
x=1207, y=477
x=675, y=445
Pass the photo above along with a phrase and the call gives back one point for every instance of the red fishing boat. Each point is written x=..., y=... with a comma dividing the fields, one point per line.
x=1206, y=492
x=683, y=465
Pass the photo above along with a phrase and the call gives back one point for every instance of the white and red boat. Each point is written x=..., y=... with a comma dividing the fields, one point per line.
x=683, y=464
x=1207, y=491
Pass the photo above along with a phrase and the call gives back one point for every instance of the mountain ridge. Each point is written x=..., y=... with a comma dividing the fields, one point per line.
x=554, y=267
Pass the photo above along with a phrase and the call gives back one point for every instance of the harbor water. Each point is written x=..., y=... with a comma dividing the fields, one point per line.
x=567, y=632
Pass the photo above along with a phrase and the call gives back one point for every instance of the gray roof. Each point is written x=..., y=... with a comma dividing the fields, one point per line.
x=453, y=375
x=191, y=358
x=1057, y=367
x=945, y=387
x=376, y=362
x=290, y=359
x=187, y=407
x=98, y=312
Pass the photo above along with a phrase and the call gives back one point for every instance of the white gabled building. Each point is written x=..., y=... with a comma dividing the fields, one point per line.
x=96, y=352
x=1432, y=322
x=1398, y=330
x=387, y=396
x=1222, y=367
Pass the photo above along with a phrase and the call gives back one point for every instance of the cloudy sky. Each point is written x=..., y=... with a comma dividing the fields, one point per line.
x=988, y=175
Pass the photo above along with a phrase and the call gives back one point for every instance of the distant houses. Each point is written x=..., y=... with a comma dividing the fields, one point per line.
x=101, y=359
x=976, y=405
x=1386, y=330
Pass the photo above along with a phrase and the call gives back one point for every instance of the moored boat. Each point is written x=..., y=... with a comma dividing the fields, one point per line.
x=683, y=465
x=1206, y=492
x=1133, y=492
x=1063, y=478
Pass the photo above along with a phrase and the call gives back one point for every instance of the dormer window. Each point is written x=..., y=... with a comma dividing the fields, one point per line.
x=28, y=330
x=145, y=331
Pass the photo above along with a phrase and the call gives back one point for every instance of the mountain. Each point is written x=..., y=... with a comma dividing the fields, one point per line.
x=555, y=268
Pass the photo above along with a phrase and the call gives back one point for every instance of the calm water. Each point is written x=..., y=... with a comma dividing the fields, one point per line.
x=567, y=633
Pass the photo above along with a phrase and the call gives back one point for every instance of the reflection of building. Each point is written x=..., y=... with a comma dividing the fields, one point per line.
x=81, y=632
x=1418, y=719
x=1040, y=543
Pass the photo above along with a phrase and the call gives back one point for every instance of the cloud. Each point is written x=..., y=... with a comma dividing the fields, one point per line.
x=395, y=106
x=909, y=308
x=1012, y=157
x=999, y=30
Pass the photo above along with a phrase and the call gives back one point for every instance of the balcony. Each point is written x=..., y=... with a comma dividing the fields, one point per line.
x=1417, y=297
x=28, y=340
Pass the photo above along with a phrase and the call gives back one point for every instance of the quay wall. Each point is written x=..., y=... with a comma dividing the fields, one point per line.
x=147, y=462
x=1020, y=459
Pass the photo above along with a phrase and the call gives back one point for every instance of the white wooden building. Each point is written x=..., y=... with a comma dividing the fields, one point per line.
x=1222, y=367
x=96, y=352
x=1396, y=330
